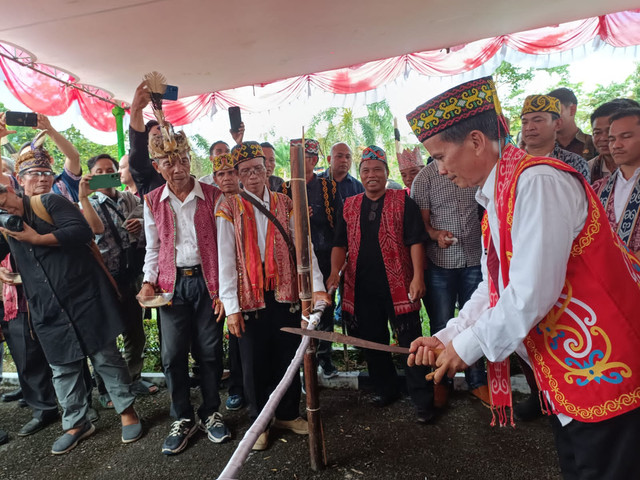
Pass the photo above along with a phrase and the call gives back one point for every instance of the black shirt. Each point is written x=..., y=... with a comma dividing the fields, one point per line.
x=370, y=264
x=144, y=175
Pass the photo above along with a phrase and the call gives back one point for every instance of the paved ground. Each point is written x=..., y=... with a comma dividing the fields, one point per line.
x=361, y=443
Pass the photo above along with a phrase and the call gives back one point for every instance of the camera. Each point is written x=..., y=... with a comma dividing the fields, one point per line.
x=11, y=222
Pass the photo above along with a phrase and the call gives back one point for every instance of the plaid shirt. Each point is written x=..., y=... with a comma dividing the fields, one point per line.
x=453, y=209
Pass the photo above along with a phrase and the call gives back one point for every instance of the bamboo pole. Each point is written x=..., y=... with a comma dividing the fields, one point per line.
x=317, y=455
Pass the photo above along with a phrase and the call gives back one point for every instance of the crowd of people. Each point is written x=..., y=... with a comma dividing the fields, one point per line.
x=538, y=259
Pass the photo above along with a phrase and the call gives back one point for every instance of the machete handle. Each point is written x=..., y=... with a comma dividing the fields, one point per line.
x=437, y=353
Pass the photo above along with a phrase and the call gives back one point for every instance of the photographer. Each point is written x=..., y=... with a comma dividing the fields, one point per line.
x=73, y=308
x=115, y=218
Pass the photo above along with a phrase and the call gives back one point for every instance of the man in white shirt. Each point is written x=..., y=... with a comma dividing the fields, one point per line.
x=182, y=259
x=260, y=292
x=555, y=282
x=620, y=192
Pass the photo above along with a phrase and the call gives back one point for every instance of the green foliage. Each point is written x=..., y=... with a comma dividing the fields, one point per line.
x=335, y=125
x=513, y=84
x=200, y=163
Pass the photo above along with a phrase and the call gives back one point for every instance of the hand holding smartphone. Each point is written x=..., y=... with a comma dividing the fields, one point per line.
x=21, y=119
x=235, y=119
x=108, y=180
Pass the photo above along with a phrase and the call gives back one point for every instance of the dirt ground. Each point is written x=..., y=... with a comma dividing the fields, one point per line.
x=361, y=443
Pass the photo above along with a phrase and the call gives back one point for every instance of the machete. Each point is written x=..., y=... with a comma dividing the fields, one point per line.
x=346, y=339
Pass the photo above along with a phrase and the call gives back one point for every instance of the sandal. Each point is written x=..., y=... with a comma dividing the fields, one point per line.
x=143, y=388
x=105, y=401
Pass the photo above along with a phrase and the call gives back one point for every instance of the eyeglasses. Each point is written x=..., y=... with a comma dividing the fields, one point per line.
x=45, y=173
x=372, y=212
x=247, y=172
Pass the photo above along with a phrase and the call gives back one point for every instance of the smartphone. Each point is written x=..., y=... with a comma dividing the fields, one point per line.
x=171, y=93
x=22, y=119
x=234, y=118
x=108, y=180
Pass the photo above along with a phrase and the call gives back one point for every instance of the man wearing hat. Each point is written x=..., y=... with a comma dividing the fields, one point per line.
x=559, y=287
x=541, y=120
x=260, y=291
x=410, y=164
x=181, y=258
x=226, y=178
x=324, y=204
x=383, y=281
x=540, y=123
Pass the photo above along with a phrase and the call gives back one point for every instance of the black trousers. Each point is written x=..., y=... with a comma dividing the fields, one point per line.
x=266, y=353
x=34, y=373
x=372, y=316
x=323, y=351
x=189, y=323
x=235, y=367
x=607, y=450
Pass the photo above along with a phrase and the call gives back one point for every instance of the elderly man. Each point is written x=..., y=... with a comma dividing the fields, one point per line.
x=384, y=280
x=66, y=286
x=540, y=123
x=182, y=259
x=226, y=177
x=558, y=287
x=260, y=291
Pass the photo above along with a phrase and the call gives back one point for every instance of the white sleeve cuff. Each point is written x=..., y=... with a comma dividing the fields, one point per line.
x=231, y=305
x=467, y=346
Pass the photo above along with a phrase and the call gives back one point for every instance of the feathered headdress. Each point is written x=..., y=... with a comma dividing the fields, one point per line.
x=172, y=143
x=33, y=154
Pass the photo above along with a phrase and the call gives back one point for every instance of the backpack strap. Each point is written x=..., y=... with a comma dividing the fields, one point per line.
x=41, y=212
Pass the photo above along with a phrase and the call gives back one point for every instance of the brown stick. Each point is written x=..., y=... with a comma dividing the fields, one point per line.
x=317, y=455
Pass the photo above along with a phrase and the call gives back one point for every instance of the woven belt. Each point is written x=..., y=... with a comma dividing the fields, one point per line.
x=190, y=271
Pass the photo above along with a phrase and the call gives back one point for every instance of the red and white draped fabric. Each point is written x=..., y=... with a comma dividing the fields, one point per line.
x=47, y=95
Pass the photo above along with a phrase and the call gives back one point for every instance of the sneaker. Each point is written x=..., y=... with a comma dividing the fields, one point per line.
x=329, y=371
x=234, y=402
x=216, y=430
x=262, y=443
x=68, y=441
x=298, y=426
x=181, y=431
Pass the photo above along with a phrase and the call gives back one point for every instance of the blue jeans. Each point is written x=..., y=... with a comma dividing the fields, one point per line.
x=445, y=288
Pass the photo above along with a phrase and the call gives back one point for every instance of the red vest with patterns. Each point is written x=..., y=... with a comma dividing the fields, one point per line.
x=204, y=219
x=584, y=352
x=396, y=256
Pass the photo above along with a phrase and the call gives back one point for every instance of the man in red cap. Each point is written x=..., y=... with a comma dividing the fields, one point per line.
x=559, y=287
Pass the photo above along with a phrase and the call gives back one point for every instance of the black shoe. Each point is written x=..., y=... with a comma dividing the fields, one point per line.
x=35, y=425
x=12, y=396
x=4, y=437
x=380, y=401
x=528, y=409
x=425, y=416
x=22, y=403
x=181, y=431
